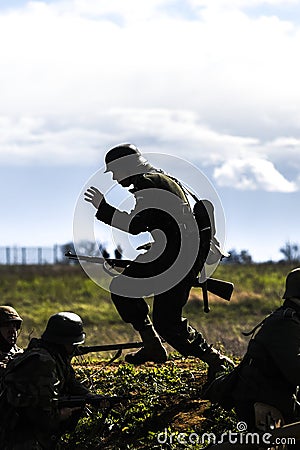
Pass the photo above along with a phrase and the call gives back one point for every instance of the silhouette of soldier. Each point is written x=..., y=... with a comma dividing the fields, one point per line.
x=270, y=371
x=167, y=269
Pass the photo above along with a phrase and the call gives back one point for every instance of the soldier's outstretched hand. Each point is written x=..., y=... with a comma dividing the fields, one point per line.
x=94, y=196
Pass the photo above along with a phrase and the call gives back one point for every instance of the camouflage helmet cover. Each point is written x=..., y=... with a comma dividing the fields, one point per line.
x=9, y=314
x=292, y=285
x=64, y=328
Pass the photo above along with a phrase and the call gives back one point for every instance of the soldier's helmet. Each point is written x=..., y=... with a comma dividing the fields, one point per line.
x=120, y=151
x=9, y=314
x=292, y=284
x=64, y=328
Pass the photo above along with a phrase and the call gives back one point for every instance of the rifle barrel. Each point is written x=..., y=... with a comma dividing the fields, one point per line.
x=99, y=260
x=83, y=350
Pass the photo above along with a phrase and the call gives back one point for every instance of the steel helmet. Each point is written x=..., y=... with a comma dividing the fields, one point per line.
x=121, y=151
x=292, y=285
x=64, y=328
x=9, y=314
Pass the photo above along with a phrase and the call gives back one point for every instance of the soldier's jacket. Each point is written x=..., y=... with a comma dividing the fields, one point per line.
x=32, y=383
x=160, y=204
x=271, y=372
x=148, y=190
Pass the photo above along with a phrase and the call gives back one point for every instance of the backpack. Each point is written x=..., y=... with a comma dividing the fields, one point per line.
x=25, y=385
x=204, y=214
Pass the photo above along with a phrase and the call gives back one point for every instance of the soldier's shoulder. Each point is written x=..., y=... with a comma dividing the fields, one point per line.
x=150, y=177
x=287, y=313
x=160, y=180
x=284, y=317
x=34, y=359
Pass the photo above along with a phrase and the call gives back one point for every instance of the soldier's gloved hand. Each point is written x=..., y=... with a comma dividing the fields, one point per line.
x=94, y=196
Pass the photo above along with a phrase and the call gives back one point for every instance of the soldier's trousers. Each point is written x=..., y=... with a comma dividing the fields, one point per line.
x=167, y=318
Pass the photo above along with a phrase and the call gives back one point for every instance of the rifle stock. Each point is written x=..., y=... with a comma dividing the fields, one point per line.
x=220, y=288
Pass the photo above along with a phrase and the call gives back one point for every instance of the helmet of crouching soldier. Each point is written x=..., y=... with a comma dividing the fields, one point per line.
x=64, y=328
x=292, y=284
x=8, y=314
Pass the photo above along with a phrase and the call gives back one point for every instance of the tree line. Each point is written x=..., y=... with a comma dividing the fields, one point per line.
x=290, y=254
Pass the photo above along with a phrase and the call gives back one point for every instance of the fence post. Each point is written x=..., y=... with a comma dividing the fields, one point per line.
x=15, y=250
x=55, y=253
x=7, y=251
x=40, y=255
x=23, y=250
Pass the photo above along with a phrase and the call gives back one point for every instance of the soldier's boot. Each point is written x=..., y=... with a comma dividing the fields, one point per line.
x=153, y=350
x=217, y=363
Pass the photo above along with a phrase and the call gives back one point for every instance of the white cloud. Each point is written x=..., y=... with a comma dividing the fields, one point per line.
x=221, y=65
x=244, y=163
x=210, y=83
x=252, y=174
x=34, y=141
x=237, y=4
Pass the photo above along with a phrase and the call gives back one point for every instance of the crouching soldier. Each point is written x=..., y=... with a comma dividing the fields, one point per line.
x=270, y=373
x=33, y=383
x=263, y=388
x=10, y=324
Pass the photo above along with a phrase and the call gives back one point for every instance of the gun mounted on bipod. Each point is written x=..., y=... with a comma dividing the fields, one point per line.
x=220, y=288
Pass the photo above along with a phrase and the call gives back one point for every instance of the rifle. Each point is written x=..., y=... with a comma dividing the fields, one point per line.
x=220, y=288
x=122, y=263
x=83, y=350
x=98, y=401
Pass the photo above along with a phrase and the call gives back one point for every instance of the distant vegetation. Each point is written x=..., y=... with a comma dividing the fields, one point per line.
x=290, y=252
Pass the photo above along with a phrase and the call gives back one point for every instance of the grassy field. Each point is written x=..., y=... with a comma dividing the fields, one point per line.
x=165, y=410
x=39, y=291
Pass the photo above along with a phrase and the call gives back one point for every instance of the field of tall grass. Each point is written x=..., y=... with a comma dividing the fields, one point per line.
x=39, y=291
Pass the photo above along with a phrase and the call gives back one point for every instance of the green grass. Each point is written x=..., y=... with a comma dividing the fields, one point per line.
x=164, y=405
x=39, y=291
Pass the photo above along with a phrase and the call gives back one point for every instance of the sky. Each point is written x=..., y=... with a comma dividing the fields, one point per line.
x=214, y=82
